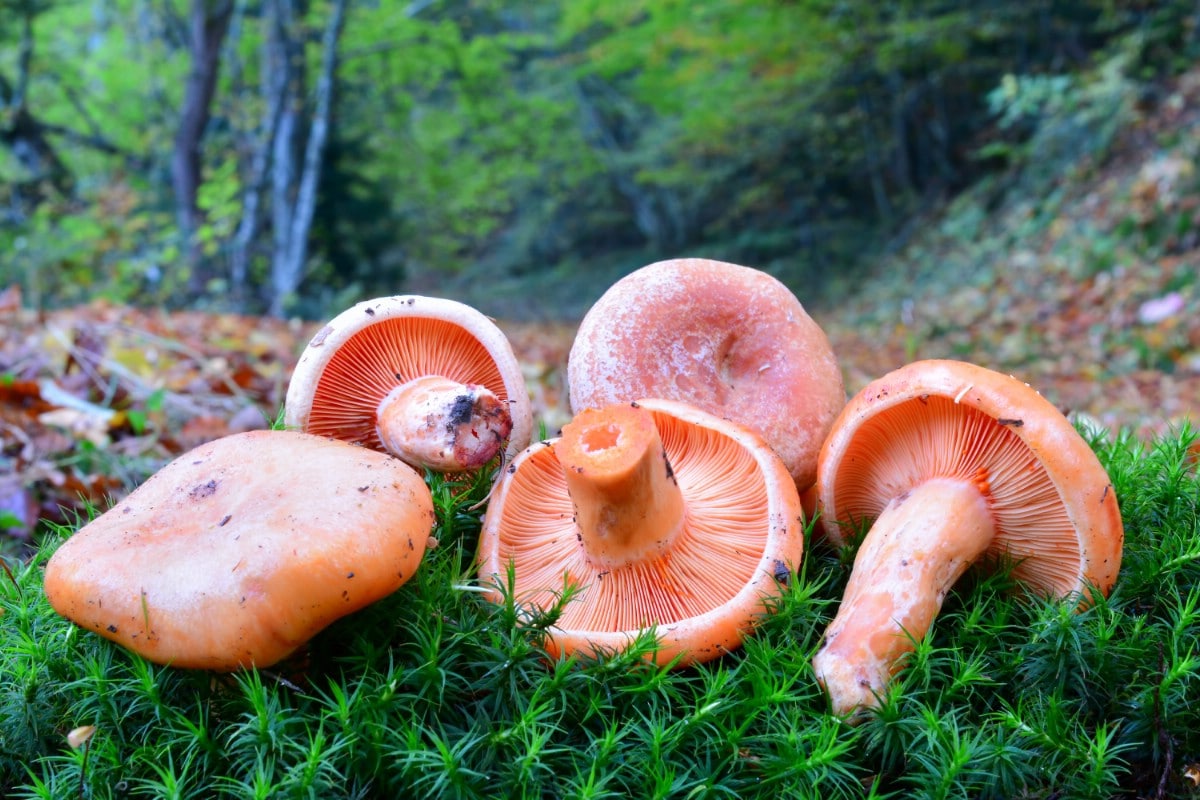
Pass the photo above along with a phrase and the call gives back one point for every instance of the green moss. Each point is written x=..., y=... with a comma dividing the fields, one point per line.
x=437, y=692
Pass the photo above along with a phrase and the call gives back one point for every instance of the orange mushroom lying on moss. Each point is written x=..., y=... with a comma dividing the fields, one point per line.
x=661, y=515
x=241, y=550
x=431, y=381
x=731, y=340
x=952, y=465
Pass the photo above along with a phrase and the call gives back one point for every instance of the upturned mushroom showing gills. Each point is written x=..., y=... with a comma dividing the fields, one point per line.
x=241, y=550
x=661, y=516
x=731, y=340
x=952, y=464
x=431, y=381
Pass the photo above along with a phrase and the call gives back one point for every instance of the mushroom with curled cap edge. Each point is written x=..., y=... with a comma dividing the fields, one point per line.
x=662, y=516
x=241, y=550
x=955, y=464
x=731, y=340
x=429, y=380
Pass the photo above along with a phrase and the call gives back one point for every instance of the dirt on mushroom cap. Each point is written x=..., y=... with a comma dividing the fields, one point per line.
x=241, y=550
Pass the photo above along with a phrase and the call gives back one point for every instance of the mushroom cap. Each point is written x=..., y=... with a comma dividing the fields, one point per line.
x=241, y=550
x=1053, y=504
x=731, y=340
x=741, y=538
x=368, y=350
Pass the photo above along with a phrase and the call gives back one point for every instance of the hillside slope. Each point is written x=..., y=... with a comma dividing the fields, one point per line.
x=1090, y=291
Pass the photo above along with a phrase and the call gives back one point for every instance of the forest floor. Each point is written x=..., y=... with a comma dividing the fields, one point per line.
x=1090, y=294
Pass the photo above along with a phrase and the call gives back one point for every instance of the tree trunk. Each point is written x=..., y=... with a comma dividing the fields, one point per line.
x=209, y=21
x=294, y=184
x=255, y=182
x=874, y=160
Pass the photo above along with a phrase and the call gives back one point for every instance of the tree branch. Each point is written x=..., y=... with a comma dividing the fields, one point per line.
x=209, y=24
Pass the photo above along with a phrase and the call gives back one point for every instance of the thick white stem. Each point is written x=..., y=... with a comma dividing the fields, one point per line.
x=919, y=546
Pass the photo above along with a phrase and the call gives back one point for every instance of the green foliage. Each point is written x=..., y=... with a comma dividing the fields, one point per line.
x=475, y=143
x=439, y=692
x=112, y=247
x=1055, y=123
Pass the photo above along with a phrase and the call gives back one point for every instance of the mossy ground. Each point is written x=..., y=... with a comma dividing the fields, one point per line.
x=437, y=692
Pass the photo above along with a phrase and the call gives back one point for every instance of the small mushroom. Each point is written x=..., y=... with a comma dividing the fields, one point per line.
x=429, y=380
x=662, y=515
x=731, y=340
x=952, y=464
x=241, y=550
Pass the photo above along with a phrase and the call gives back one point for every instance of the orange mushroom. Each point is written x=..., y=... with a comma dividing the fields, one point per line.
x=663, y=516
x=955, y=465
x=731, y=340
x=241, y=550
x=429, y=380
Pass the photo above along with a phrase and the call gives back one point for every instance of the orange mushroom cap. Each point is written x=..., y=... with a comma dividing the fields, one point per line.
x=430, y=380
x=241, y=550
x=731, y=340
x=953, y=464
x=663, y=516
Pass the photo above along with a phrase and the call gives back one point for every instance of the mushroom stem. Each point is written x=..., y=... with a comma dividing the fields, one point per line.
x=921, y=543
x=436, y=423
x=628, y=506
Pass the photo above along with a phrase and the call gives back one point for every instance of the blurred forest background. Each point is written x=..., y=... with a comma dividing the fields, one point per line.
x=189, y=188
x=289, y=157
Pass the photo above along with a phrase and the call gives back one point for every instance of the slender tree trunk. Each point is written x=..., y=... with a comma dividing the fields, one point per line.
x=256, y=181
x=294, y=184
x=874, y=160
x=209, y=22
x=285, y=71
x=901, y=155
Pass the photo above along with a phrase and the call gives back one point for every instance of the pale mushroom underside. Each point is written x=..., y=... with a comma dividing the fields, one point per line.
x=713, y=559
x=933, y=436
x=377, y=359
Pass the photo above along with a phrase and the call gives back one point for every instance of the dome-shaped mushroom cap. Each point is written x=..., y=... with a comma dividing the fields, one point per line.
x=368, y=350
x=1055, y=511
x=242, y=549
x=740, y=538
x=731, y=340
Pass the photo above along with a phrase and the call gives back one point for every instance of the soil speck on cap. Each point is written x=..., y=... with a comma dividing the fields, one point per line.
x=203, y=490
x=460, y=412
x=321, y=336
